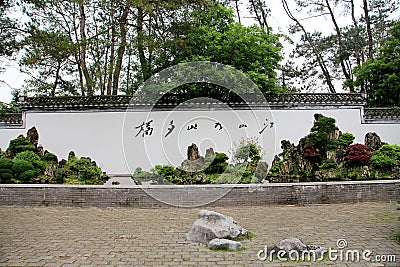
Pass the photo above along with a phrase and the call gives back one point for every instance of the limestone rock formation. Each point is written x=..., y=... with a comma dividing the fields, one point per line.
x=211, y=225
x=193, y=152
x=33, y=136
x=373, y=141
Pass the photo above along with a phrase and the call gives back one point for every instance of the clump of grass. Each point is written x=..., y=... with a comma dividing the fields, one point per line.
x=227, y=249
x=397, y=238
x=248, y=235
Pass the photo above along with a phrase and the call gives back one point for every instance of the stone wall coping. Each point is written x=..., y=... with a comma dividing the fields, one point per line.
x=252, y=186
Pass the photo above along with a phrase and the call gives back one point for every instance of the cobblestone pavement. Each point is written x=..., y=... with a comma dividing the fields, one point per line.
x=60, y=236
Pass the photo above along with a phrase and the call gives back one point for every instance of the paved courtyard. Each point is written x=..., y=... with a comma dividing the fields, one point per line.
x=60, y=236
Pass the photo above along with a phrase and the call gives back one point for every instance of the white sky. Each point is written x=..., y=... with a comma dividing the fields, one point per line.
x=278, y=20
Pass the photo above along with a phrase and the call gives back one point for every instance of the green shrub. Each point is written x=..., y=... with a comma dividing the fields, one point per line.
x=383, y=162
x=32, y=158
x=247, y=150
x=328, y=164
x=48, y=156
x=386, y=157
x=5, y=175
x=20, y=166
x=216, y=164
x=345, y=140
x=27, y=176
x=81, y=171
x=5, y=163
x=166, y=172
x=20, y=144
x=319, y=136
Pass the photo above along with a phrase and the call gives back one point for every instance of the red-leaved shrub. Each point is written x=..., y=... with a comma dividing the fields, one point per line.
x=358, y=154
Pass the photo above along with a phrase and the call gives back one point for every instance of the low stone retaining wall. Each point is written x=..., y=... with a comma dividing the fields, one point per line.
x=200, y=195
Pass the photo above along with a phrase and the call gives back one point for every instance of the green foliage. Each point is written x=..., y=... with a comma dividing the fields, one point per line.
x=23, y=171
x=20, y=166
x=381, y=75
x=397, y=238
x=213, y=36
x=82, y=171
x=166, y=172
x=27, y=176
x=8, y=108
x=320, y=132
x=328, y=164
x=345, y=140
x=248, y=236
x=5, y=170
x=5, y=163
x=247, y=150
x=49, y=157
x=386, y=157
x=216, y=164
x=32, y=158
x=20, y=144
x=5, y=176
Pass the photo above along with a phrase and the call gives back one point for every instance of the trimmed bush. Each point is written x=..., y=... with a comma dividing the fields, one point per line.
x=20, y=144
x=27, y=176
x=218, y=163
x=32, y=158
x=20, y=166
x=6, y=163
x=386, y=157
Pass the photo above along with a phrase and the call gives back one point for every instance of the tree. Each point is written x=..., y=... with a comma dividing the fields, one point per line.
x=316, y=52
x=213, y=36
x=382, y=74
x=49, y=53
x=333, y=57
x=8, y=29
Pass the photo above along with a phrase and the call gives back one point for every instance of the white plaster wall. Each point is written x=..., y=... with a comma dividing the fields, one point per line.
x=109, y=137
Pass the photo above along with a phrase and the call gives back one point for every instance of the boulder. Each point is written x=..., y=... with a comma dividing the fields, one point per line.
x=211, y=225
x=224, y=243
x=373, y=141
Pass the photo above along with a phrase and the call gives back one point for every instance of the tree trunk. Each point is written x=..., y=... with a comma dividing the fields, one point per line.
x=358, y=51
x=237, y=10
x=89, y=82
x=369, y=31
x=56, y=81
x=340, y=44
x=140, y=45
x=112, y=52
x=121, y=49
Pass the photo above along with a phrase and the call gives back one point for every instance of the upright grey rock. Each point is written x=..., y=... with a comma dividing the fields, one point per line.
x=373, y=141
x=209, y=152
x=193, y=152
x=211, y=225
x=33, y=136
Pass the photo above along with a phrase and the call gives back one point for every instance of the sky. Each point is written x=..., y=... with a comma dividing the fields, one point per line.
x=12, y=78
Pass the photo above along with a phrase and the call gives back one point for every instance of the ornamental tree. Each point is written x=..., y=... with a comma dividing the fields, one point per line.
x=358, y=155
